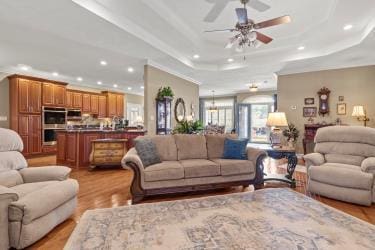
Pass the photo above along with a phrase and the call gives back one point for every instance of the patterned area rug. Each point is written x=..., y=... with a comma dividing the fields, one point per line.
x=264, y=219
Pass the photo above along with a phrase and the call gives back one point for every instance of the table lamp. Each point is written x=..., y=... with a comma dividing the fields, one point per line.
x=276, y=120
x=360, y=113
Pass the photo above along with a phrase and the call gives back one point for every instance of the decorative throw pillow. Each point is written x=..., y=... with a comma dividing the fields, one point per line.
x=147, y=151
x=235, y=149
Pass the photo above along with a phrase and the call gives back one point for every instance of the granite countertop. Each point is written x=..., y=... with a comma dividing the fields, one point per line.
x=102, y=131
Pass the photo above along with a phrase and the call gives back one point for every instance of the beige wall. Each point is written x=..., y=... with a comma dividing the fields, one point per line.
x=4, y=101
x=135, y=99
x=357, y=85
x=156, y=78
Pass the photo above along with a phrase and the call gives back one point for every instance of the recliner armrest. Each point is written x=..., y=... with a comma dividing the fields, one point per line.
x=7, y=196
x=132, y=159
x=313, y=159
x=368, y=165
x=40, y=174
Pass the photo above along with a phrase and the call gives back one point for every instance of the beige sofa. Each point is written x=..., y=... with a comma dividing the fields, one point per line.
x=32, y=200
x=189, y=163
x=343, y=165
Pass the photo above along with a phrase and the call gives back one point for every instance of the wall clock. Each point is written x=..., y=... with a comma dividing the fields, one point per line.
x=323, y=101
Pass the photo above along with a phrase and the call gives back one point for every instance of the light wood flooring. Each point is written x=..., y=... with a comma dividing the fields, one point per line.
x=105, y=188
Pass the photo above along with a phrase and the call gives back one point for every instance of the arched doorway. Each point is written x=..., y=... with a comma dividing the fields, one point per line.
x=252, y=116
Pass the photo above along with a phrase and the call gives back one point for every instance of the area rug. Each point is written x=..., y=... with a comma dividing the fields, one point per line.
x=264, y=219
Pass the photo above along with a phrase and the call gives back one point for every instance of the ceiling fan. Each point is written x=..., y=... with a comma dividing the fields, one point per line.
x=219, y=6
x=247, y=29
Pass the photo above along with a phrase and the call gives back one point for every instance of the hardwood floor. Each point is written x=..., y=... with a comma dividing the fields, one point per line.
x=105, y=188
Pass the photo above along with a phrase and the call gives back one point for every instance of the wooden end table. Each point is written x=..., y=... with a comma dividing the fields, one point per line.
x=107, y=152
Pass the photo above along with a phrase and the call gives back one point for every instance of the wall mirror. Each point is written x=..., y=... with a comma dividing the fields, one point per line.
x=179, y=110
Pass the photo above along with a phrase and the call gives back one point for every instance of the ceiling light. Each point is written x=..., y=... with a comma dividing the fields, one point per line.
x=196, y=56
x=104, y=63
x=79, y=79
x=142, y=87
x=130, y=69
x=99, y=83
x=55, y=74
x=301, y=48
x=115, y=85
x=230, y=60
x=24, y=67
x=348, y=27
x=129, y=88
x=253, y=88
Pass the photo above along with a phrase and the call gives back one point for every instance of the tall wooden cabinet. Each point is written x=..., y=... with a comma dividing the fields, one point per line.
x=115, y=104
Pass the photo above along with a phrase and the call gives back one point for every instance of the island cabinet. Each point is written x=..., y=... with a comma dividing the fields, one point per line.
x=74, y=146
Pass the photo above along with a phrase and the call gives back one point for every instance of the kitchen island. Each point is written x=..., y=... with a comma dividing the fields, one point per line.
x=74, y=146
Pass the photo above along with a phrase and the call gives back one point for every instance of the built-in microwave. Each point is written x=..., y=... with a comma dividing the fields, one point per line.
x=74, y=114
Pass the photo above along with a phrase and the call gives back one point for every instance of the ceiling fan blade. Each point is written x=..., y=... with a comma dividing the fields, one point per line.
x=215, y=11
x=223, y=30
x=242, y=15
x=258, y=5
x=273, y=22
x=263, y=38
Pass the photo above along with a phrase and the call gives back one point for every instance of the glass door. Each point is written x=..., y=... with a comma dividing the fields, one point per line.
x=251, y=122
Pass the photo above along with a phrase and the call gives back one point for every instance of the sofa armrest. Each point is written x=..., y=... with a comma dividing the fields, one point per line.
x=368, y=165
x=313, y=159
x=40, y=174
x=256, y=156
x=7, y=196
x=132, y=159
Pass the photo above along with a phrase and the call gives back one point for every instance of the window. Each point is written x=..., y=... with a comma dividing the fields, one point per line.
x=223, y=117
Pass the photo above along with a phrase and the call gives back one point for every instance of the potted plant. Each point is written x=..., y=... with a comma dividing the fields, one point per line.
x=188, y=127
x=165, y=92
x=292, y=134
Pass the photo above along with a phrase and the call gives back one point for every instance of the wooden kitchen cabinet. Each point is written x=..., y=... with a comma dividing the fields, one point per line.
x=120, y=105
x=30, y=93
x=77, y=100
x=115, y=104
x=94, y=104
x=102, y=112
x=69, y=99
x=53, y=94
x=86, y=106
x=30, y=130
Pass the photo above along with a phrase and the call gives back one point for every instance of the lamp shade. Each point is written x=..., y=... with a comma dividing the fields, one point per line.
x=358, y=111
x=277, y=119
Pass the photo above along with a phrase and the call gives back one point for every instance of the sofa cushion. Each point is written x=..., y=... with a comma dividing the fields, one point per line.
x=40, y=202
x=200, y=168
x=235, y=149
x=28, y=188
x=345, y=148
x=215, y=144
x=165, y=145
x=341, y=165
x=235, y=167
x=147, y=151
x=10, y=178
x=10, y=141
x=340, y=176
x=191, y=147
x=166, y=170
x=344, y=159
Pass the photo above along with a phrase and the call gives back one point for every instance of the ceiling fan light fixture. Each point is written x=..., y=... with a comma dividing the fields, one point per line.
x=252, y=36
x=253, y=88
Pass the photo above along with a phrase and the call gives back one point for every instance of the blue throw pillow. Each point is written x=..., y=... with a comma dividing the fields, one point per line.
x=235, y=149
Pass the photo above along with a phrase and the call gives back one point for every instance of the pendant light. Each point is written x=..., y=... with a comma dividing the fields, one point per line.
x=253, y=88
x=213, y=107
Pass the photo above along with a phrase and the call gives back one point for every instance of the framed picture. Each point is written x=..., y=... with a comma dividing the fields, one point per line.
x=341, y=98
x=341, y=108
x=309, y=101
x=309, y=111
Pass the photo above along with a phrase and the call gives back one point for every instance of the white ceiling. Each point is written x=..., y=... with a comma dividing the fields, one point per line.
x=71, y=37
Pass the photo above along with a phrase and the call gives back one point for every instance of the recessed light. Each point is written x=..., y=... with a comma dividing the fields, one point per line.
x=130, y=69
x=79, y=79
x=301, y=48
x=55, y=74
x=104, y=63
x=129, y=88
x=348, y=27
x=196, y=56
x=142, y=87
x=24, y=67
x=115, y=85
x=99, y=83
x=230, y=60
